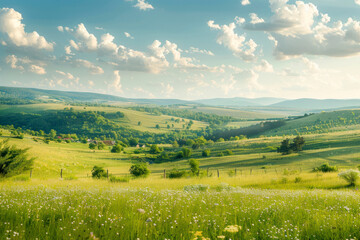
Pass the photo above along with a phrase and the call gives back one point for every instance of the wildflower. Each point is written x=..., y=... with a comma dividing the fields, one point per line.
x=140, y=210
x=232, y=228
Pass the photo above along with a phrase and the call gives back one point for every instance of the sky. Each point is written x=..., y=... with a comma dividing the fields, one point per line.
x=184, y=49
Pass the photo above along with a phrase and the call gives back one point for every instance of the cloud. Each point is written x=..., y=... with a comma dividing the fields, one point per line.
x=167, y=89
x=60, y=28
x=142, y=5
x=197, y=50
x=357, y=2
x=11, y=25
x=13, y=61
x=116, y=84
x=236, y=43
x=287, y=19
x=264, y=66
x=67, y=75
x=37, y=70
x=128, y=35
x=89, y=65
x=86, y=41
x=339, y=40
x=245, y=2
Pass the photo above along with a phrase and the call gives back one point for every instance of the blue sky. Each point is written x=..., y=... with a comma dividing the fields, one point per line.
x=183, y=48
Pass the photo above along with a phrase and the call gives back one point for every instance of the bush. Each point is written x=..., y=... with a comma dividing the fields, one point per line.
x=13, y=160
x=179, y=155
x=139, y=170
x=351, y=176
x=325, y=168
x=228, y=152
x=101, y=146
x=114, y=179
x=98, y=172
x=154, y=149
x=117, y=148
x=186, y=152
x=194, y=166
x=206, y=153
x=298, y=179
x=92, y=145
x=176, y=173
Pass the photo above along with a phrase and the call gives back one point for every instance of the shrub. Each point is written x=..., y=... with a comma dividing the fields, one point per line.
x=176, y=173
x=186, y=152
x=92, y=145
x=13, y=160
x=101, y=146
x=154, y=149
x=325, y=168
x=114, y=179
x=98, y=172
x=139, y=170
x=117, y=148
x=179, y=155
x=206, y=153
x=298, y=179
x=228, y=152
x=21, y=179
x=194, y=166
x=351, y=176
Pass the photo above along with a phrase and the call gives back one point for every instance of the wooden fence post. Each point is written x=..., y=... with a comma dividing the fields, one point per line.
x=30, y=173
x=218, y=173
x=164, y=173
x=235, y=172
x=250, y=171
x=61, y=173
x=107, y=174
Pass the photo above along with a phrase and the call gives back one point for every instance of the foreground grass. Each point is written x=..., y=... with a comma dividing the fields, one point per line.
x=87, y=209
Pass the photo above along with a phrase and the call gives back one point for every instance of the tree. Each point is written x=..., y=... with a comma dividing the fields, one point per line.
x=186, y=152
x=117, y=148
x=157, y=126
x=194, y=166
x=139, y=123
x=92, y=145
x=139, y=170
x=175, y=144
x=284, y=148
x=154, y=149
x=298, y=144
x=13, y=160
x=287, y=148
x=52, y=134
x=98, y=172
x=164, y=156
x=133, y=142
x=101, y=146
x=206, y=153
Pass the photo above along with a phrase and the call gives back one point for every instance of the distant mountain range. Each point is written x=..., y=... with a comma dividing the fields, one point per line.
x=301, y=105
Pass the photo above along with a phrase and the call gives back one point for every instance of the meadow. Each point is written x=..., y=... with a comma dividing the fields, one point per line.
x=246, y=191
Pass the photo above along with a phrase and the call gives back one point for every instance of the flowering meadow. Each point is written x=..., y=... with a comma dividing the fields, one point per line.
x=87, y=209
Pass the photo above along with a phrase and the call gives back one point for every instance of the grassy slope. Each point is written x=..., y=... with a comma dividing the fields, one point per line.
x=311, y=120
x=339, y=148
x=131, y=118
x=240, y=114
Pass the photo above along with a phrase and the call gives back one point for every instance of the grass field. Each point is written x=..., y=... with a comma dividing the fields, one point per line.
x=131, y=119
x=255, y=193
